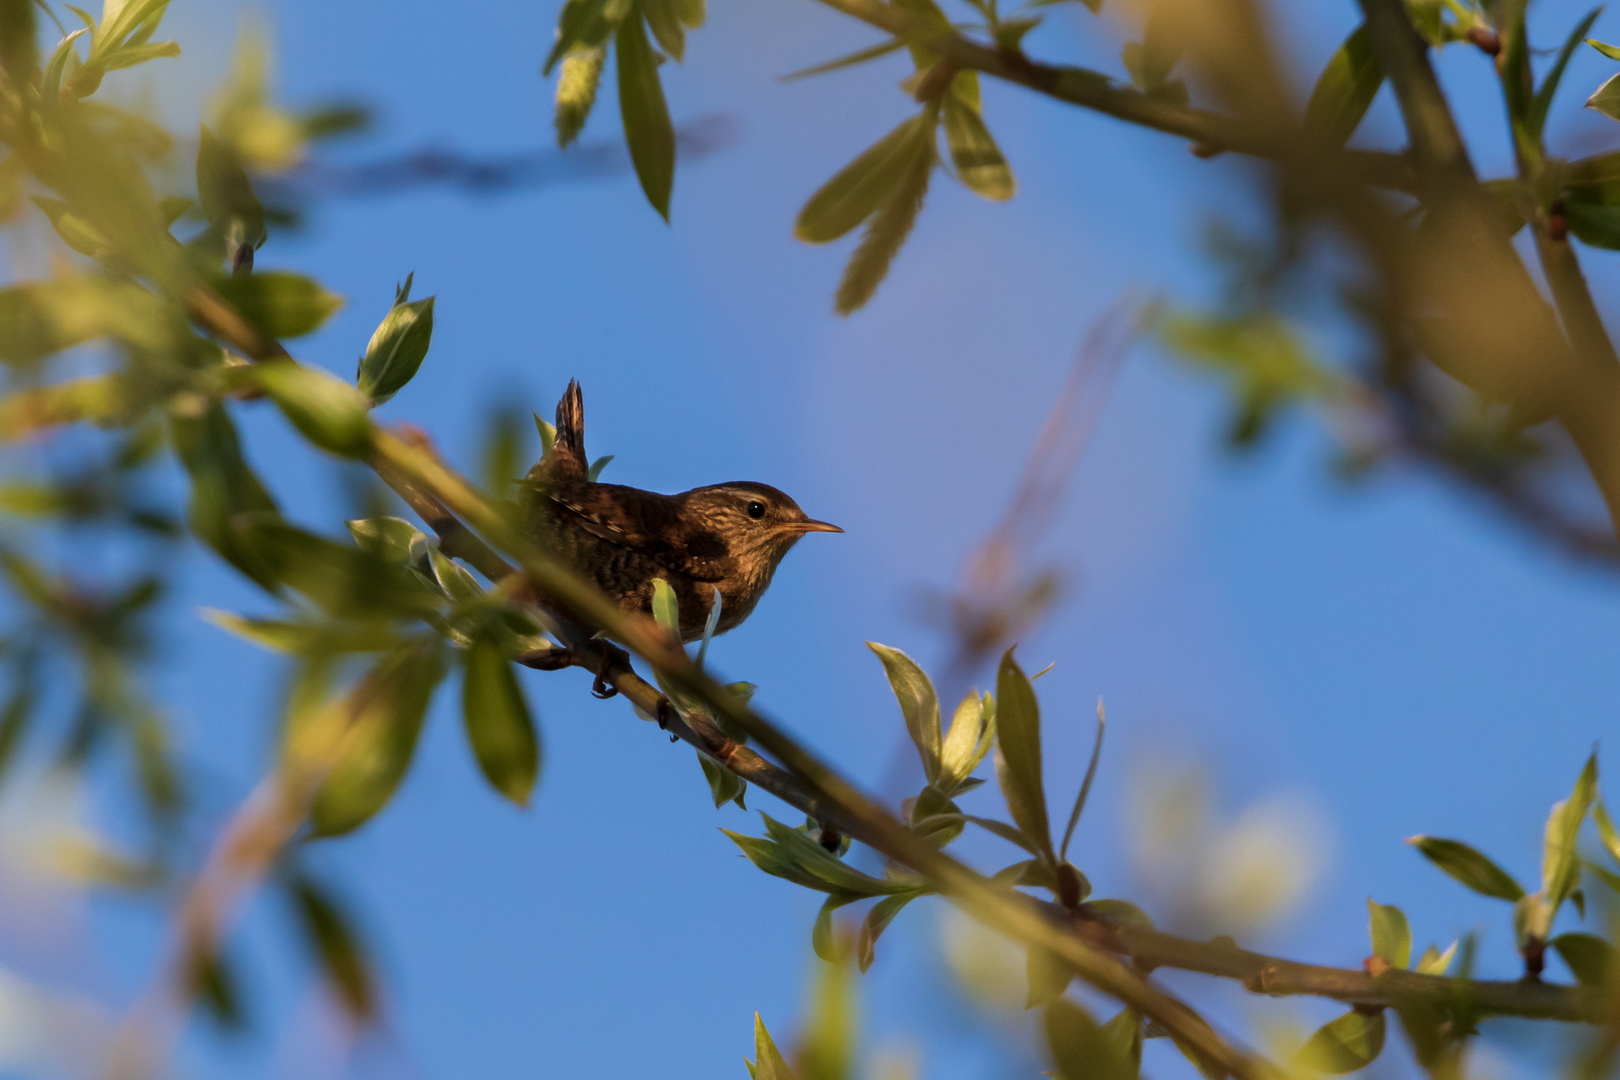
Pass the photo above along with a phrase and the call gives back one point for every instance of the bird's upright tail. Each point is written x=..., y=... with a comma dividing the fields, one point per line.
x=570, y=444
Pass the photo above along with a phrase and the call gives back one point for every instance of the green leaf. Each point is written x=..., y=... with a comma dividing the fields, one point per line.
x=19, y=51
x=768, y=1063
x=865, y=184
x=1345, y=89
x=391, y=538
x=833, y=872
x=140, y=54
x=919, y=705
x=1124, y=1035
x=1611, y=51
x=42, y=318
x=966, y=745
x=548, y=433
x=827, y=1039
x=51, y=87
x=1606, y=831
x=279, y=304
x=1391, y=936
x=1536, y=118
x=666, y=27
x=1351, y=1042
x=821, y=936
x=337, y=948
x=75, y=232
x=303, y=638
x=226, y=194
x=877, y=920
x=212, y=982
x=577, y=84
x=1606, y=98
x=999, y=828
x=1018, y=754
x=889, y=227
x=974, y=152
x=499, y=727
x=647, y=128
x=861, y=56
x=724, y=785
x=1080, y=1049
x=14, y=719
x=223, y=489
x=396, y=350
x=343, y=580
x=458, y=584
x=1608, y=877
x=383, y=739
x=666, y=608
x=1561, y=862
x=594, y=473
x=1597, y=225
x=1435, y=962
x=1122, y=912
x=1468, y=867
x=326, y=410
x=1048, y=976
x=1591, y=959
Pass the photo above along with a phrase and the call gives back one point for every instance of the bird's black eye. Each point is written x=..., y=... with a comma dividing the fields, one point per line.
x=756, y=510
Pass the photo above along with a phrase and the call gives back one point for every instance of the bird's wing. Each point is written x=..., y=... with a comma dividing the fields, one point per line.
x=636, y=521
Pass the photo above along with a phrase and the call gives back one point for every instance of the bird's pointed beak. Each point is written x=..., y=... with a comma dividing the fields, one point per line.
x=811, y=525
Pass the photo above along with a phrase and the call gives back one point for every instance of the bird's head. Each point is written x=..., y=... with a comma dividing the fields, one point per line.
x=752, y=520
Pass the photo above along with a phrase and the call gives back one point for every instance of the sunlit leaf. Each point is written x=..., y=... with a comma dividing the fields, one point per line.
x=768, y=1063
x=1606, y=98
x=919, y=705
x=228, y=201
x=1351, y=1042
x=396, y=350
x=1611, y=51
x=1561, y=863
x=383, y=736
x=390, y=537
x=1435, y=962
x=1391, y=936
x=326, y=410
x=888, y=228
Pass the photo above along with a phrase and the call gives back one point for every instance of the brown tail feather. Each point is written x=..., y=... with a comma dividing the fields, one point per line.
x=570, y=442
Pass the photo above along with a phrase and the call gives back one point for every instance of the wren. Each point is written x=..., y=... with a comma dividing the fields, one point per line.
x=724, y=538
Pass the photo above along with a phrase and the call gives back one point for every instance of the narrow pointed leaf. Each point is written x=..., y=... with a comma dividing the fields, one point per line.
x=821, y=936
x=1345, y=89
x=499, y=727
x=396, y=350
x=877, y=920
x=887, y=231
x=1018, y=754
x=1536, y=119
x=647, y=128
x=864, y=185
x=768, y=1062
x=1468, y=867
x=1561, y=863
x=1085, y=785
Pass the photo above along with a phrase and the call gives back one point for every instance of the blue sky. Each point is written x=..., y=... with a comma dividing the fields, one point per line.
x=1390, y=656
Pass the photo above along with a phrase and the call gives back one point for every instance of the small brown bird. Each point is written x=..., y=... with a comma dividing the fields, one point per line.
x=726, y=537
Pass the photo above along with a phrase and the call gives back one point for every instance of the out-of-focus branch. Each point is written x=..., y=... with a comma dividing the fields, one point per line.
x=1210, y=132
x=706, y=135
